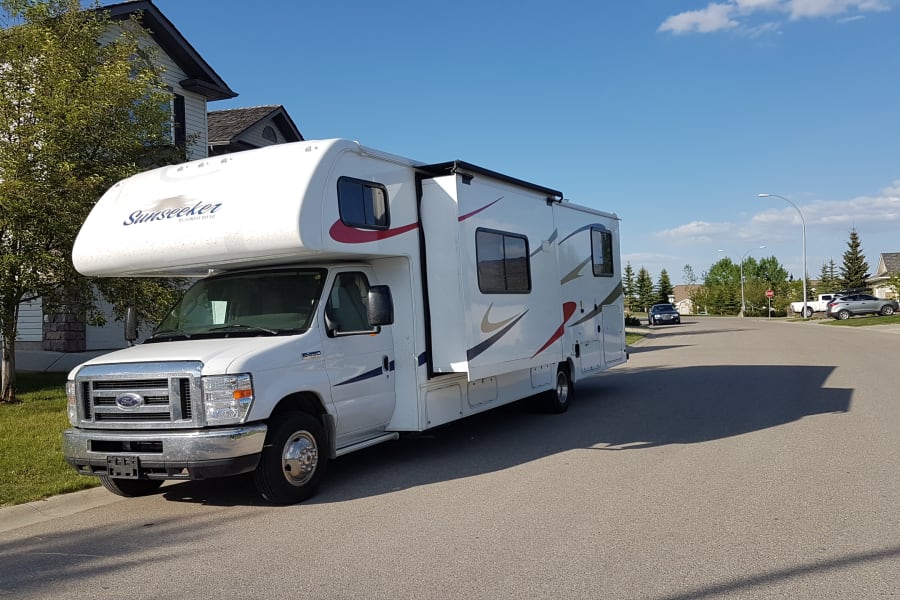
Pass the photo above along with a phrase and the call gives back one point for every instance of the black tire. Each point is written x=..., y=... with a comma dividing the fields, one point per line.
x=558, y=399
x=809, y=312
x=130, y=488
x=294, y=459
x=843, y=314
x=887, y=310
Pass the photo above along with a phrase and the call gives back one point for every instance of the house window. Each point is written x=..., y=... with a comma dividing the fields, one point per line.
x=179, y=136
x=502, y=262
x=269, y=133
x=363, y=203
x=602, y=252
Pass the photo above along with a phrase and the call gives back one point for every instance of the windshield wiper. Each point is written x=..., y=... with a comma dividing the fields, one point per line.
x=242, y=326
x=168, y=334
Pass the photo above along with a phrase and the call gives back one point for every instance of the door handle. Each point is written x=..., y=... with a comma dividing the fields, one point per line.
x=385, y=363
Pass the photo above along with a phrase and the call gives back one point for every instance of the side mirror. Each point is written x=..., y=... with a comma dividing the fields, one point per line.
x=381, y=306
x=131, y=332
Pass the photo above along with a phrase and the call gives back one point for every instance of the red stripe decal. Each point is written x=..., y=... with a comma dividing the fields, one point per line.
x=351, y=235
x=568, y=311
x=475, y=212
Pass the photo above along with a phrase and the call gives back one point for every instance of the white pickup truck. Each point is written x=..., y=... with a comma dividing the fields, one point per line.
x=814, y=306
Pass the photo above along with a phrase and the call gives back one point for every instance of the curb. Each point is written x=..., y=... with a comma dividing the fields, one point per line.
x=22, y=515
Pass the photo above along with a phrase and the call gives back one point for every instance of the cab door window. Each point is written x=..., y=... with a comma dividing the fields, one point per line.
x=346, y=311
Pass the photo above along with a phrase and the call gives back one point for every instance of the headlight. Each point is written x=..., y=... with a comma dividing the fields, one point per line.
x=71, y=403
x=227, y=398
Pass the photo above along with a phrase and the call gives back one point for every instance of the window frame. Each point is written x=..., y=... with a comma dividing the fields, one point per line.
x=364, y=185
x=482, y=287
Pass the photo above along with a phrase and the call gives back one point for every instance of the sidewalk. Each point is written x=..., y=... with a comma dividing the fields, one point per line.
x=44, y=361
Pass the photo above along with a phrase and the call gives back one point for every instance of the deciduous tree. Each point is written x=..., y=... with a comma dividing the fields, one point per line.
x=75, y=117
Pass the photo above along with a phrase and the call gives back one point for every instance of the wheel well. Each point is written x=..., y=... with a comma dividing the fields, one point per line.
x=309, y=403
x=303, y=401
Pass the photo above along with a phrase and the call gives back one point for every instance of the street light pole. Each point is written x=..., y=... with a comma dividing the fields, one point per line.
x=743, y=303
x=803, y=223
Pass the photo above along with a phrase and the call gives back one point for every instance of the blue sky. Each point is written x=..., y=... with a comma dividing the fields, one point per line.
x=674, y=114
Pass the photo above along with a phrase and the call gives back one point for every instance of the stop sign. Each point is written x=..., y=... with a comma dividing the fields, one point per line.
x=769, y=293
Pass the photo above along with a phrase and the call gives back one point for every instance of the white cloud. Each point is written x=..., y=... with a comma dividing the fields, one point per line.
x=701, y=231
x=737, y=14
x=714, y=17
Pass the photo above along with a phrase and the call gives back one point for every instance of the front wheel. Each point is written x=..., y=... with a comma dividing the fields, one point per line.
x=293, y=460
x=887, y=310
x=809, y=312
x=130, y=488
x=844, y=314
x=557, y=400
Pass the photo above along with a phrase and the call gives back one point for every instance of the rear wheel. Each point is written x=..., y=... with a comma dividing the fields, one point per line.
x=887, y=310
x=293, y=460
x=809, y=311
x=843, y=314
x=557, y=400
x=130, y=488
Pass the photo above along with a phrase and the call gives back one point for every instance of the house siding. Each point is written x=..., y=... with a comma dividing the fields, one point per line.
x=30, y=324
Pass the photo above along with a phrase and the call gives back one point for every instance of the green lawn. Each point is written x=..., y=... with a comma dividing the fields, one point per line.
x=31, y=463
x=866, y=321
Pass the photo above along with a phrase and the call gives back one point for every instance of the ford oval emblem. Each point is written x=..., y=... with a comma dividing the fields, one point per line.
x=129, y=401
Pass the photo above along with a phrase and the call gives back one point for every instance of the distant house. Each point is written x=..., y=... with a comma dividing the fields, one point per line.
x=888, y=264
x=682, y=300
x=237, y=129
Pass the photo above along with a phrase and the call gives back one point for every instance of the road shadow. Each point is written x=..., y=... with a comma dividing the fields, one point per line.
x=625, y=410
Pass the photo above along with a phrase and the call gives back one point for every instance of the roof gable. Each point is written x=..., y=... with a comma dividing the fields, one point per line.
x=226, y=126
x=889, y=264
x=202, y=79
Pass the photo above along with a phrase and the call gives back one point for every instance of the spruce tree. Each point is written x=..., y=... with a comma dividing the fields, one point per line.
x=664, y=287
x=644, y=289
x=855, y=269
x=629, y=287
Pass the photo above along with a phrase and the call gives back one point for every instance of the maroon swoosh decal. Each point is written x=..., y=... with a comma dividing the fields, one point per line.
x=478, y=210
x=568, y=311
x=351, y=235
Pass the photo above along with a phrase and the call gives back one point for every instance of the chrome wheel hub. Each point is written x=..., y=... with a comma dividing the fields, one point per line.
x=299, y=458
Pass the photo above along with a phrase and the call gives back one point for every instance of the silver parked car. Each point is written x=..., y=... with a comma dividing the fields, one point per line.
x=860, y=304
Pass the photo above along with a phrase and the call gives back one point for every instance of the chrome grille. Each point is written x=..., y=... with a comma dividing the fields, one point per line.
x=168, y=392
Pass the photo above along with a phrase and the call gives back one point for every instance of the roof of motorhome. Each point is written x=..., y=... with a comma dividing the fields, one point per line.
x=458, y=166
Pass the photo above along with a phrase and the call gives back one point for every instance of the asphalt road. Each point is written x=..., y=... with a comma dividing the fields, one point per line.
x=729, y=458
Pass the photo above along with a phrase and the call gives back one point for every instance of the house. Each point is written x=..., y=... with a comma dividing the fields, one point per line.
x=888, y=265
x=236, y=129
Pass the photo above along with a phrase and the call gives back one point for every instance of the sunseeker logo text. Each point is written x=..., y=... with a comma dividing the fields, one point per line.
x=196, y=212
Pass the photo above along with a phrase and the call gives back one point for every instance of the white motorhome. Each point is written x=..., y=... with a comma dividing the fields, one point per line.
x=345, y=296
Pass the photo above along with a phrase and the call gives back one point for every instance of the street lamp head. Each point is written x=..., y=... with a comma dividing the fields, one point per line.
x=763, y=195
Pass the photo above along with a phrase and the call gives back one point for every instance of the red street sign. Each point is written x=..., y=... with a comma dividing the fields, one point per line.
x=769, y=293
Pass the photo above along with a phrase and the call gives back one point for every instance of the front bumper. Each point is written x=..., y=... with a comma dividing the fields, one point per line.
x=198, y=454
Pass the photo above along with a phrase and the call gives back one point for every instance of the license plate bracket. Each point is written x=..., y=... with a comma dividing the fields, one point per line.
x=123, y=467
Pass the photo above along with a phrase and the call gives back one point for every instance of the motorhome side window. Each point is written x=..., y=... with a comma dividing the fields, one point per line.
x=502, y=262
x=363, y=203
x=348, y=305
x=602, y=252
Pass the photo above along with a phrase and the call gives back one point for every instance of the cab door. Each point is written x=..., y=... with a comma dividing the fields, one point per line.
x=359, y=359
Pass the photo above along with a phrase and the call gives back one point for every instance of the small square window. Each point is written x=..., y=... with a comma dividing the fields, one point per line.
x=503, y=265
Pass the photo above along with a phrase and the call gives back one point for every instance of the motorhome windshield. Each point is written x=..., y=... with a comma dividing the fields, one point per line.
x=277, y=302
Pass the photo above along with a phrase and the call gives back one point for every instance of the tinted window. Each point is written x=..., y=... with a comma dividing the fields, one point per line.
x=362, y=203
x=601, y=252
x=502, y=262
